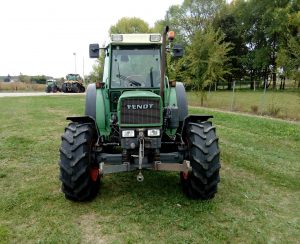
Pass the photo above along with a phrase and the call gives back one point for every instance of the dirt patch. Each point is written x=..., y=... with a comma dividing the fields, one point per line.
x=57, y=111
x=90, y=229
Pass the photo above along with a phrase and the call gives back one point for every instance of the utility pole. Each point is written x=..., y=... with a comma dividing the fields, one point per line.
x=75, y=62
x=233, y=98
x=83, y=69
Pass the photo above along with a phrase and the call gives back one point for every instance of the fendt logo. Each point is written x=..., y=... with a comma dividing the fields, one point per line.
x=139, y=106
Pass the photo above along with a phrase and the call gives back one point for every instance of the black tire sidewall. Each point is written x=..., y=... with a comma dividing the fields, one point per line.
x=203, y=153
x=76, y=161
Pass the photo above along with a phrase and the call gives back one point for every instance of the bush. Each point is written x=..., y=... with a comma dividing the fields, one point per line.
x=254, y=109
x=273, y=110
x=20, y=86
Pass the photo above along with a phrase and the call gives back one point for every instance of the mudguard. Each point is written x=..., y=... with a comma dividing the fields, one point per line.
x=193, y=118
x=181, y=101
x=90, y=101
x=95, y=107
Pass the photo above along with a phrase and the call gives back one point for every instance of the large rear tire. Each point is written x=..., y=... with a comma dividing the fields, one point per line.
x=79, y=173
x=48, y=89
x=75, y=88
x=64, y=87
x=81, y=88
x=202, y=181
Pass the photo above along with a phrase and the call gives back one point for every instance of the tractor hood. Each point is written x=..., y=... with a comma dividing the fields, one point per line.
x=131, y=94
x=140, y=109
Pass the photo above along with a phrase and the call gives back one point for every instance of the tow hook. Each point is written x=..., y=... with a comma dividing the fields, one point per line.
x=140, y=176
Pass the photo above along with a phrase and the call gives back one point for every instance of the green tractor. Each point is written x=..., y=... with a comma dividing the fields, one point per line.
x=73, y=84
x=52, y=86
x=137, y=119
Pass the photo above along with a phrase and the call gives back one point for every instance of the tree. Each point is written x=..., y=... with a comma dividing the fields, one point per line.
x=159, y=26
x=266, y=28
x=7, y=78
x=98, y=67
x=227, y=21
x=206, y=58
x=289, y=59
x=40, y=79
x=192, y=16
x=24, y=78
x=129, y=25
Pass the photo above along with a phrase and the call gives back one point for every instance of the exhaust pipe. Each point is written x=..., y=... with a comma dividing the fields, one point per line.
x=163, y=63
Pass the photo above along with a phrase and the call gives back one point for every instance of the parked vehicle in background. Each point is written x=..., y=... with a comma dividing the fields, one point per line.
x=52, y=86
x=73, y=84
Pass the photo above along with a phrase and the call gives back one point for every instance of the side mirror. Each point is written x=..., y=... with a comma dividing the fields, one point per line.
x=177, y=51
x=94, y=50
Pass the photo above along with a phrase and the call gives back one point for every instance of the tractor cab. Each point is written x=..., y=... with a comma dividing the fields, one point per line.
x=135, y=62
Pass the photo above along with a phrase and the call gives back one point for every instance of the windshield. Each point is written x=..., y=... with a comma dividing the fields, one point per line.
x=135, y=67
x=73, y=77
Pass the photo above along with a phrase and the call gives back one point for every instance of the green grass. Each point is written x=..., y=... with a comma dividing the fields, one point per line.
x=258, y=198
x=280, y=104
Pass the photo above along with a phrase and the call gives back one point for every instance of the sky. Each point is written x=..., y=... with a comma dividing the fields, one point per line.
x=41, y=37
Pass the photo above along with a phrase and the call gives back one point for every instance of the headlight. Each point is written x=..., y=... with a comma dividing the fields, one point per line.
x=117, y=38
x=155, y=38
x=153, y=132
x=127, y=133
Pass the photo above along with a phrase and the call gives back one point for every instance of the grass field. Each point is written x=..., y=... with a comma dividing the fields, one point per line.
x=278, y=104
x=258, y=198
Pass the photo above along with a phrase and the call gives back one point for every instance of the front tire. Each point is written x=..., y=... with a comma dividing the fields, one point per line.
x=81, y=88
x=204, y=156
x=75, y=88
x=64, y=87
x=79, y=173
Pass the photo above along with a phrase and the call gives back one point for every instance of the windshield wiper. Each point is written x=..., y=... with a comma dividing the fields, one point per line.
x=133, y=82
x=151, y=76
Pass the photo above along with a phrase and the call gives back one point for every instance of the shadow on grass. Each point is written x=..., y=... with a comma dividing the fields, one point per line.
x=160, y=192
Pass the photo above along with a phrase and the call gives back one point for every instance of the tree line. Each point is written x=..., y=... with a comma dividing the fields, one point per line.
x=37, y=79
x=247, y=40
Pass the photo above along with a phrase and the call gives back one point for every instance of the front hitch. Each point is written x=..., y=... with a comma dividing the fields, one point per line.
x=140, y=176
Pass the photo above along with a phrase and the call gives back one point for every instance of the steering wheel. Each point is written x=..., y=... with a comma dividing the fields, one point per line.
x=130, y=80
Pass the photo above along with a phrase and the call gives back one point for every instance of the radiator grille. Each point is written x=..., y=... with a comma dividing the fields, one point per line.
x=140, y=111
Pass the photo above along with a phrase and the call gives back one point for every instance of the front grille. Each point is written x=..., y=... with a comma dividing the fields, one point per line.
x=140, y=111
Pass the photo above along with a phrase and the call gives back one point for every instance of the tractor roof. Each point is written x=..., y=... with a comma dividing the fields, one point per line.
x=152, y=38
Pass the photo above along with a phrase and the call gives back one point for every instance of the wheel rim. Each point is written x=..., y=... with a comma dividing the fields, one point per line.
x=94, y=172
x=185, y=175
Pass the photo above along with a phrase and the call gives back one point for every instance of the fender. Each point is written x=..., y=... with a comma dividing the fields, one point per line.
x=101, y=113
x=193, y=118
x=90, y=101
x=95, y=107
x=84, y=119
x=181, y=101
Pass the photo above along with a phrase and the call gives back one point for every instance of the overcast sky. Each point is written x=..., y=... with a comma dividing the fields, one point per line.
x=40, y=37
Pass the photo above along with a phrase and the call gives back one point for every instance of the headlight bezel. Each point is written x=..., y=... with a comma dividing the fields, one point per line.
x=155, y=38
x=153, y=132
x=128, y=133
